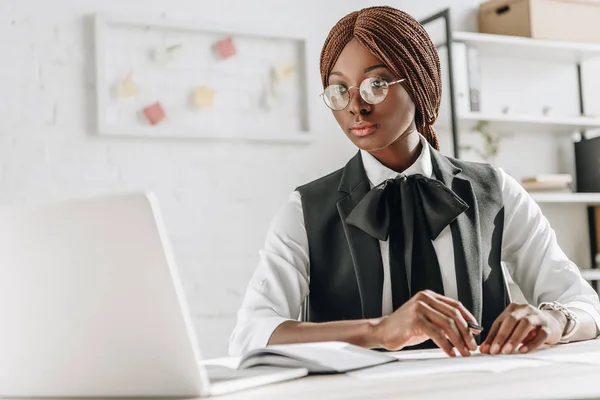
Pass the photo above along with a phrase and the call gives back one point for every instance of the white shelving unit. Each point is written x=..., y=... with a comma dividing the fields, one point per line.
x=558, y=198
x=507, y=47
x=528, y=123
x=523, y=48
x=591, y=274
x=502, y=46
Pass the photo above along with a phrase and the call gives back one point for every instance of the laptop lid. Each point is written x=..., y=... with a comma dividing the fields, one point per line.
x=91, y=303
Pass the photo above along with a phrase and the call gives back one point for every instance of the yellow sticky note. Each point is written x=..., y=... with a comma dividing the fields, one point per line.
x=127, y=88
x=203, y=97
x=283, y=71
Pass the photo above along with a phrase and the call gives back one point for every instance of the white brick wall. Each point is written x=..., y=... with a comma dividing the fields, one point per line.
x=217, y=197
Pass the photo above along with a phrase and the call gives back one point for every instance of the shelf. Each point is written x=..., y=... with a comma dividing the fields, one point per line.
x=515, y=123
x=568, y=198
x=527, y=48
x=591, y=274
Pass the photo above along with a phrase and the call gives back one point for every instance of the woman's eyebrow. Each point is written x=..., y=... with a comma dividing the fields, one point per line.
x=374, y=67
x=368, y=69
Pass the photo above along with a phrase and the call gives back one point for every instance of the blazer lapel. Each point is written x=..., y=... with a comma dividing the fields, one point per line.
x=466, y=236
x=364, y=249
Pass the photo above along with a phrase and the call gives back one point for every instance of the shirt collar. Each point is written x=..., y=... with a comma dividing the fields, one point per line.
x=377, y=172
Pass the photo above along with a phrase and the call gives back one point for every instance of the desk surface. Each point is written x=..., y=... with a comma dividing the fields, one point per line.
x=555, y=381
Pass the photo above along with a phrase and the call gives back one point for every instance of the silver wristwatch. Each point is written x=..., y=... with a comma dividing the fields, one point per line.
x=572, y=320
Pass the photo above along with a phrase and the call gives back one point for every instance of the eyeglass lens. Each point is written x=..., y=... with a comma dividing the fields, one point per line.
x=372, y=90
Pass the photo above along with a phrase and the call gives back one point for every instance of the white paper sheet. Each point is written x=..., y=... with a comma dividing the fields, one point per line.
x=428, y=354
x=571, y=353
x=432, y=363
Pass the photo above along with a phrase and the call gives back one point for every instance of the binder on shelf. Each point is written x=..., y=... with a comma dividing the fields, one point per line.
x=474, y=74
x=461, y=78
x=597, y=221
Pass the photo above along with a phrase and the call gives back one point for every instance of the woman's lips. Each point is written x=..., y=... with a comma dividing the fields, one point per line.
x=363, y=129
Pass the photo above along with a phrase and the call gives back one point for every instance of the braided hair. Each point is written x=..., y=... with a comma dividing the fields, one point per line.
x=404, y=46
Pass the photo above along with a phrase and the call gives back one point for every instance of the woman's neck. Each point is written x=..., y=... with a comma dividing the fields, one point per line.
x=401, y=154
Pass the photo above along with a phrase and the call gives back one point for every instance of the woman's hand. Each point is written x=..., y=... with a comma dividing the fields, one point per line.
x=428, y=315
x=523, y=324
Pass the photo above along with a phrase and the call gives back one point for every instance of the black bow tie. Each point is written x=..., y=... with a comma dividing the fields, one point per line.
x=380, y=206
x=412, y=211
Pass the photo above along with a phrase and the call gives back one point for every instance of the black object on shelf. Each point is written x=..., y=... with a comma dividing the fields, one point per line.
x=587, y=165
x=587, y=173
x=592, y=221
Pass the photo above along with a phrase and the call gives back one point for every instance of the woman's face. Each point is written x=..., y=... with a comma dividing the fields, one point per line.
x=371, y=127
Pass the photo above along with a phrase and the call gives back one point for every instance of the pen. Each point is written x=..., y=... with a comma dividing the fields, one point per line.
x=475, y=326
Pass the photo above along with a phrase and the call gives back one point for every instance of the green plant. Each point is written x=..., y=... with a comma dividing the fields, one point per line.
x=491, y=142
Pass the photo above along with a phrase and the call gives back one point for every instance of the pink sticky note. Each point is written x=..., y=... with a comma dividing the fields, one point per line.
x=225, y=48
x=154, y=113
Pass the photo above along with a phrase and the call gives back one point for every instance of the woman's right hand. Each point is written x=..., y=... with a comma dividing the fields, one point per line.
x=428, y=315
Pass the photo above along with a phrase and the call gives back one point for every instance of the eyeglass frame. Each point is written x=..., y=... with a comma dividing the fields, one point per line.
x=322, y=95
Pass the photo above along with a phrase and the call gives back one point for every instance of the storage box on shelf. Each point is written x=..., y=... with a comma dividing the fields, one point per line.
x=571, y=20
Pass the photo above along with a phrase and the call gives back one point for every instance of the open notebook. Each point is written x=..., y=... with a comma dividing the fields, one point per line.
x=318, y=358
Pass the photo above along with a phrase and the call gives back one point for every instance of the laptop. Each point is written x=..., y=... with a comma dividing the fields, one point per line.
x=91, y=305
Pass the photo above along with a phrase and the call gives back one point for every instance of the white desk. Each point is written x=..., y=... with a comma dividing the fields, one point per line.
x=556, y=381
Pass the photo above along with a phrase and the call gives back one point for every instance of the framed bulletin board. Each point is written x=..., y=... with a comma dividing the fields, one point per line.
x=163, y=78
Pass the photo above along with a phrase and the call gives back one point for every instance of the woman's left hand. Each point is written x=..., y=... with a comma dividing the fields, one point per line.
x=523, y=324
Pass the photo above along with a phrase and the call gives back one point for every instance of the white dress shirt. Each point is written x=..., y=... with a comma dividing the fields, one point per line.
x=529, y=250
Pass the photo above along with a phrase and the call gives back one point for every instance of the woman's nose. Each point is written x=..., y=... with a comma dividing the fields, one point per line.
x=357, y=104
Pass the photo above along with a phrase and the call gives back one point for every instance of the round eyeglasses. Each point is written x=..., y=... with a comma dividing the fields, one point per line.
x=372, y=90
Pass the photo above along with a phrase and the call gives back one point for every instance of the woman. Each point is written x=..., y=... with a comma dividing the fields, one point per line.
x=403, y=246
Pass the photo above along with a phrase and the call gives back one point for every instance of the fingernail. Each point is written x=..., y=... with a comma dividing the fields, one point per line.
x=495, y=348
x=466, y=351
x=473, y=343
x=507, y=349
x=523, y=349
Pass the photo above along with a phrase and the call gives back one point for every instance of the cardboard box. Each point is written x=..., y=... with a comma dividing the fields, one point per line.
x=568, y=20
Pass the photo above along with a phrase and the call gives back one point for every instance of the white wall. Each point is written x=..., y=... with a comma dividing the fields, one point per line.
x=217, y=198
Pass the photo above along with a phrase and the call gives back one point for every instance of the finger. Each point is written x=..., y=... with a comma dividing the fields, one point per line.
x=451, y=311
x=504, y=331
x=530, y=337
x=458, y=305
x=532, y=334
x=522, y=330
x=437, y=336
x=538, y=340
x=487, y=344
x=448, y=326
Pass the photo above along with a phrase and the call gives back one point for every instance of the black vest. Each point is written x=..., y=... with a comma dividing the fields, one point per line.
x=346, y=270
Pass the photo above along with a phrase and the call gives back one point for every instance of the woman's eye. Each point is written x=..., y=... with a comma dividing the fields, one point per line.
x=378, y=83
